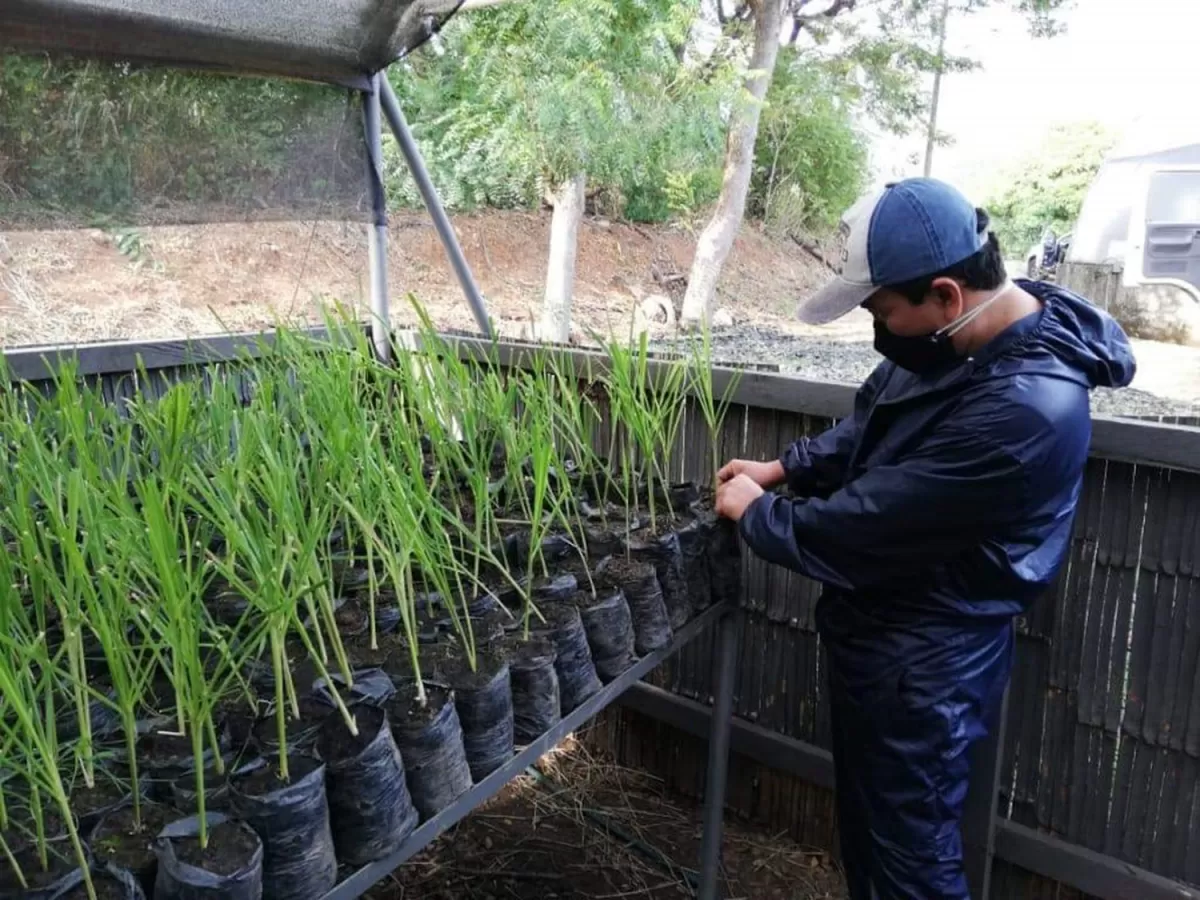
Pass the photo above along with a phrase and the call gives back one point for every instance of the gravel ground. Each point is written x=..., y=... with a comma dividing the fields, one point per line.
x=851, y=361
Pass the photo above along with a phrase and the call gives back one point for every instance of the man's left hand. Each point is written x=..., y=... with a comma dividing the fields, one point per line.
x=735, y=495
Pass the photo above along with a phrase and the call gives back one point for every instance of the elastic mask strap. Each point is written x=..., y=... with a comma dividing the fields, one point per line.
x=969, y=316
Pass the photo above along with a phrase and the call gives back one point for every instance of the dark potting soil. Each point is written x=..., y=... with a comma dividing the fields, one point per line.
x=266, y=779
x=159, y=697
x=87, y=801
x=106, y=888
x=261, y=672
x=579, y=570
x=502, y=591
x=164, y=750
x=61, y=861
x=459, y=676
x=663, y=526
x=117, y=840
x=335, y=740
x=18, y=812
x=230, y=848
x=312, y=713
x=490, y=626
x=183, y=788
x=518, y=650
x=431, y=657
x=240, y=722
x=555, y=614
x=227, y=606
x=361, y=656
x=351, y=618
x=621, y=570
x=406, y=712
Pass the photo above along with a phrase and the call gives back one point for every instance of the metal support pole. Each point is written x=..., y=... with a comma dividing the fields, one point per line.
x=718, y=759
x=416, y=165
x=377, y=235
x=979, y=811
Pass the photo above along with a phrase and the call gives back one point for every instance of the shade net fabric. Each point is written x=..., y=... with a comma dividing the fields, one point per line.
x=96, y=143
x=342, y=41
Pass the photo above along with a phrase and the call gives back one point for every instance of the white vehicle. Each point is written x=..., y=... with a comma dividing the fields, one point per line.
x=1136, y=242
x=1142, y=214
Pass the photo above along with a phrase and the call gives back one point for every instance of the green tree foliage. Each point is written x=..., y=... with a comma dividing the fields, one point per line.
x=1047, y=187
x=810, y=162
x=524, y=95
x=884, y=52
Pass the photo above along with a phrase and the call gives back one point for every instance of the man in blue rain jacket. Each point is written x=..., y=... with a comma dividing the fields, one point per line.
x=933, y=515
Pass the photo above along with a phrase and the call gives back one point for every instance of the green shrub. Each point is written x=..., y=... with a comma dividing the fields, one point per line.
x=810, y=162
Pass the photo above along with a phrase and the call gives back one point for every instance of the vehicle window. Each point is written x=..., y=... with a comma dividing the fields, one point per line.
x=1174, y=197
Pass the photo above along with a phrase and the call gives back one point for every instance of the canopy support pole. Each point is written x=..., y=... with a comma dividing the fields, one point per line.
x=441, y=222
x=377, y=234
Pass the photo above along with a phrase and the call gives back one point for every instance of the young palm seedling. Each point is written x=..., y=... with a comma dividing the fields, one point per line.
x=120, y=626
x=273, y=534
x=33, y=744
x=55, y=549
x=665, y=400
x=578, y=420
x=632, y=422
x=198, y=658
x=712, y=408
x=379, y=508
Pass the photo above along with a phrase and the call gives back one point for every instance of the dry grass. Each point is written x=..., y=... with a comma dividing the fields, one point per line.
x=77, y=287
x=590, y=829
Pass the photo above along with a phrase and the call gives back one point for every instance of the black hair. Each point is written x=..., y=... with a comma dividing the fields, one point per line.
x=981, y=271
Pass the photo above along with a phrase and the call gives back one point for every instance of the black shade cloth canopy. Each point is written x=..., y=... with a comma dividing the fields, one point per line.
x=338, y=41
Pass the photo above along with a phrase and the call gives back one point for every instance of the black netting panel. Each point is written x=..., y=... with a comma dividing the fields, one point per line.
x=87, y=143
x=341, y=41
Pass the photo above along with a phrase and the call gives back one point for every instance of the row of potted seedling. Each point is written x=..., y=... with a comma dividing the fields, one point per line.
x=258, y=625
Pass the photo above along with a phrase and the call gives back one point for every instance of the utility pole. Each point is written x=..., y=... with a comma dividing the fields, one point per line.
x=937, y=88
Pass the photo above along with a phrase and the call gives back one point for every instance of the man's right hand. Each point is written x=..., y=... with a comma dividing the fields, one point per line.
x=765, y=474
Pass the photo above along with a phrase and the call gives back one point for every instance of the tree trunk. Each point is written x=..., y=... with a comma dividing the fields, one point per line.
x=931, y=136
x=712, y=249
x=560, y=271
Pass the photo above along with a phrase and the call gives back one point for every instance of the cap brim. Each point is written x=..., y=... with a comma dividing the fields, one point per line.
x=833, y=301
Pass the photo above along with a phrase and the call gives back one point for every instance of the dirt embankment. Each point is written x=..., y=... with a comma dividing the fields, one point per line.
x=62, y=287
x=168, y=282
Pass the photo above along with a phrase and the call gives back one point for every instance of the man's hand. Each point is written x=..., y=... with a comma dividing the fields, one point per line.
x=734, y=495
x=765, y=474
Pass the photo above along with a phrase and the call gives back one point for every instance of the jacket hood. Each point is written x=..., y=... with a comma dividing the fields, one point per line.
x=1073, y=339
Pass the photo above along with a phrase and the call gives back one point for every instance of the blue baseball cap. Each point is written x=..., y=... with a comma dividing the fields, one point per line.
x=907, y=230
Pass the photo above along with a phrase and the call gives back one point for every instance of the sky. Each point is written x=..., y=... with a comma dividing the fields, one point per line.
x=1126, y=63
